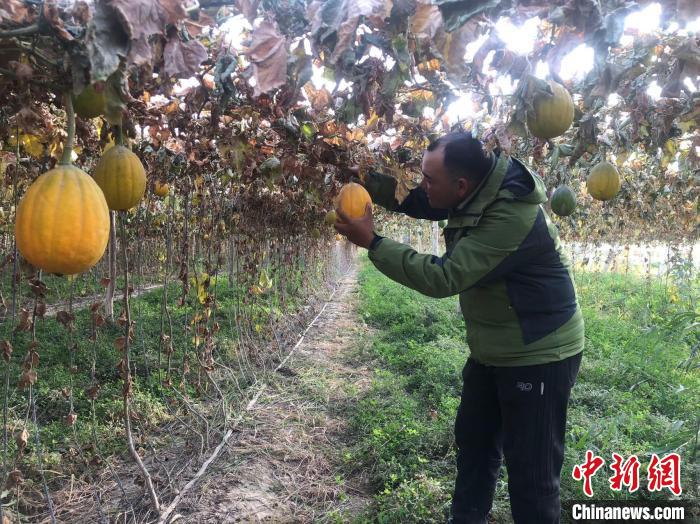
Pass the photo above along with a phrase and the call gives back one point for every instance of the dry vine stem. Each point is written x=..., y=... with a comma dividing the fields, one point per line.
x=127, y=374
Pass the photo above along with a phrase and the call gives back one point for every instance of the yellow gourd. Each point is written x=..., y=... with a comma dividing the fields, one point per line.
x=122, y=178
x=62, y=223
x=352, y=200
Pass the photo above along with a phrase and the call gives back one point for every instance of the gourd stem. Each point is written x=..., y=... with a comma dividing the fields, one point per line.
x=68, y=146
x=118, y=135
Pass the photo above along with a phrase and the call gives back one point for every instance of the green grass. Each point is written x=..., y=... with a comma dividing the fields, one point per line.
x=638, y=391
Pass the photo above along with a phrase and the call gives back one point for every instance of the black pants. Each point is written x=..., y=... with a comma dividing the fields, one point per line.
x=520, y=413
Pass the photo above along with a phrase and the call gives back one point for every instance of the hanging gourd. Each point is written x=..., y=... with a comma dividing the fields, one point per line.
x=62, y=223
x=553, y=113
x=352, y=200
x=603, y=181
x=121, y=176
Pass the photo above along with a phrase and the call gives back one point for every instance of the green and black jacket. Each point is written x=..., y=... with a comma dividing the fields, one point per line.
x=503, y=258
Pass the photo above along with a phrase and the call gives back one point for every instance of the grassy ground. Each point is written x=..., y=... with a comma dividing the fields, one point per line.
x=99, y=428
x=638, y=391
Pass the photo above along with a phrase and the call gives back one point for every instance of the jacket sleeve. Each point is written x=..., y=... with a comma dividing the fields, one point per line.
x=487, y=252
x=382, y=189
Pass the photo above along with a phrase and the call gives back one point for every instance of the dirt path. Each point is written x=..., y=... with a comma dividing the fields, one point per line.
x=284, y=464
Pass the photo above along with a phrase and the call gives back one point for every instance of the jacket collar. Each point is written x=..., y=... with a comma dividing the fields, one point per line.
x=469, y=211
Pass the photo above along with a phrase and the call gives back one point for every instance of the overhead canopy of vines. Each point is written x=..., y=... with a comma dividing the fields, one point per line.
x=265, y=103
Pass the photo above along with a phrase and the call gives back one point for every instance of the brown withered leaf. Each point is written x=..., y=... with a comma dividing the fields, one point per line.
x=182, y=59
x=106, y=42
x=51, y=15
x=22, y=438
x=104, y=282
x=375, y=10
x=320, y=98
x=249, y=8
x=25, y=322
x=143, y=18
x=140, y=51
x=16, y=11
x=71, y=418
x=65, y=318
x=27, y=378
x=6, y=349
x=31, y=123
x=93, y=392
x=120, y=343
x=40, y=309
x=37, y=287
x=203, y=21
x=427, y=21
x=31, y=360
x=14, y=479
x=81, y=12
x=268, y=54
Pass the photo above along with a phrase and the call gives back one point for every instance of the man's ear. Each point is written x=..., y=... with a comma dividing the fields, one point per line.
x=463, y=187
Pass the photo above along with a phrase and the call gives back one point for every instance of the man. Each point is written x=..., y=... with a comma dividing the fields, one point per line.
x=524, y=326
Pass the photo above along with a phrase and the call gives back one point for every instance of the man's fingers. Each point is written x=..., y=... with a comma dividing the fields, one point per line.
x=343, y=217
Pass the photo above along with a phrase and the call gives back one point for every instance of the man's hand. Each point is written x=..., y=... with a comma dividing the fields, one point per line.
x=359, y=231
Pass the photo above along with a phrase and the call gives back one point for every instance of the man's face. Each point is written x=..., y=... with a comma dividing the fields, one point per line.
x=443, y=190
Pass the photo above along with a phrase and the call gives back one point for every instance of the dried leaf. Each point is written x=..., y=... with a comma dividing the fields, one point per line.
x=81, y=12
x=106, y=42
x=50, y=14
x=458, y=12
x=182, y=59
x=93, y=392
x=71, y=418
x=249, y=8
x=65, y=318
x=320, y=98
x=27, y=378
x=375, y=10
x=427, y=21
x=22, y=438
x=40, y=309
x=31, y=360
x=120, y=343
x=268, y=54
x=15, y=11
x=25, y=323
x=143, y=18
x=140, y=52
x=6, y=349
x=14, y=479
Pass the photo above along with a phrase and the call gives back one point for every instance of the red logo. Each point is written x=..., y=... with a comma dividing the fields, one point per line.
x=665, y=473
x=661, y=473
x=626, y=474
x=586, y=471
